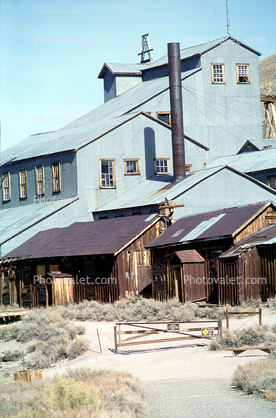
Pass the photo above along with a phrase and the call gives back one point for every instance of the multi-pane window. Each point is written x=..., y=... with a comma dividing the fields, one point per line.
x=107, y=173
x=39, y=173
x=242, y=73
x=56, y=177
x=161, y=165
x=218, y=74
x=6, y=185
x=23, y=184
x=132, y=166
x=271, y=181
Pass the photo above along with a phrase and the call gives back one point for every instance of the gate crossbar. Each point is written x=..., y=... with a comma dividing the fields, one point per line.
x=147, y=330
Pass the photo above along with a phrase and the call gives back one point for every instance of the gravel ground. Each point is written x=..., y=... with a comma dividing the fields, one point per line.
x=204, y=398
x=181, y=379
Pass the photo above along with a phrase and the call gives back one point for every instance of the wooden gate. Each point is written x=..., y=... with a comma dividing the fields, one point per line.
x=141, y=332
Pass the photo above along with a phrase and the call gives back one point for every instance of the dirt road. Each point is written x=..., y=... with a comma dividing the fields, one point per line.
x=181, y=379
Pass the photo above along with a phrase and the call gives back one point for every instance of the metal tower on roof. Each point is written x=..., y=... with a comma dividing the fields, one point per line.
x=146, y=51
x=228, y=18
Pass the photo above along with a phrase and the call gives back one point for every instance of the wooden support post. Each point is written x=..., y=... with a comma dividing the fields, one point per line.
x=260, y=314
x=119, y=334
x=227, y=315
x=220, y=327
x=99, y=341
x=115, y=339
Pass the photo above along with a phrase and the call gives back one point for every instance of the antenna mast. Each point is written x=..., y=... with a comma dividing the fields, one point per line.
x=146, y=51
x=228, y=18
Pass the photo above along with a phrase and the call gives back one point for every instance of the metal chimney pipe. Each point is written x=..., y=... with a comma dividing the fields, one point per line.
x=176, y=112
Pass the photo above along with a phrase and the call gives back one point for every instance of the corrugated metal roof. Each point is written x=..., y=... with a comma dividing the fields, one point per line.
x=155, y=191
x=265, y=236
x=218, y=224
x=84, y=238
x=90, y=126
x=119, y=68
x=201, y=228
x=260, y=144
x=248, y=162
x=189, y=256
x=160, y=188
x=15, y=220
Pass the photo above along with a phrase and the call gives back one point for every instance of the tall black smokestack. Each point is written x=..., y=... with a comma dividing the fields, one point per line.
x=176, y=112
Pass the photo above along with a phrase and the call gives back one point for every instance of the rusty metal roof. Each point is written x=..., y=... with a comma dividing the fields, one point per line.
x=107, y=236
x=265, y=236
x=189, y=256
x=218, y=224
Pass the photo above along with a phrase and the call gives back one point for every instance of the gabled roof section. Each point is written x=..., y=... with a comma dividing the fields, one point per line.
x=186, y=53
x=158, y=189
x=258, y=144
x=265, y=236
x=90, y=126
x=121, y=69
x=224, y=223
x=108, y=236
x=13, y=221
x=249, y=162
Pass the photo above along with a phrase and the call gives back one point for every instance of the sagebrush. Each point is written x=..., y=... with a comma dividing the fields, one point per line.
x=82, y=393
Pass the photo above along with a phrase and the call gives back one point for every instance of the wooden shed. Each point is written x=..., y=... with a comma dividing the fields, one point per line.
x=210, y=234
x=186, y=275
x=107, y=260
x=59, y=288
x=248, y=269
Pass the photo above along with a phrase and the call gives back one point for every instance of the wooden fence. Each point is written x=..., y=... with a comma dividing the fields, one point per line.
x=228, y=313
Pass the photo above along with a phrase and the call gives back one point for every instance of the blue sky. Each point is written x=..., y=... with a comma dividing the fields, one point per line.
x=52, y=50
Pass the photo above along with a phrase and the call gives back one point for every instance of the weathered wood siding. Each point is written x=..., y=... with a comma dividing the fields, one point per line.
x=239, y=278
x=266, y=218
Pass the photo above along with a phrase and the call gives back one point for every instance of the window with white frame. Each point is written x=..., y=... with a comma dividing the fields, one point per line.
x=39, y=174
x=132, y=166
x=243, y=73
x=107, y=173
x=6, y=186
x=56, y=177
x=218, y=74
x=161, y=165
x=22, y=184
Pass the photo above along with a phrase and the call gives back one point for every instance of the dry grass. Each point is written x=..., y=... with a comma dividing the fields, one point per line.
x=256, y=376
x=251, y=336
x=140, y=309
x=82, y=393
x=52, y=338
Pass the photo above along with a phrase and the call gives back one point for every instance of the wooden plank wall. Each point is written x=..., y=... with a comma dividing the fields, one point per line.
x=194, y=290
x=133, y=257
x=251, y=274
x=246, y=270
x=268, y=270
x=264, y=219
x=62, y=291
